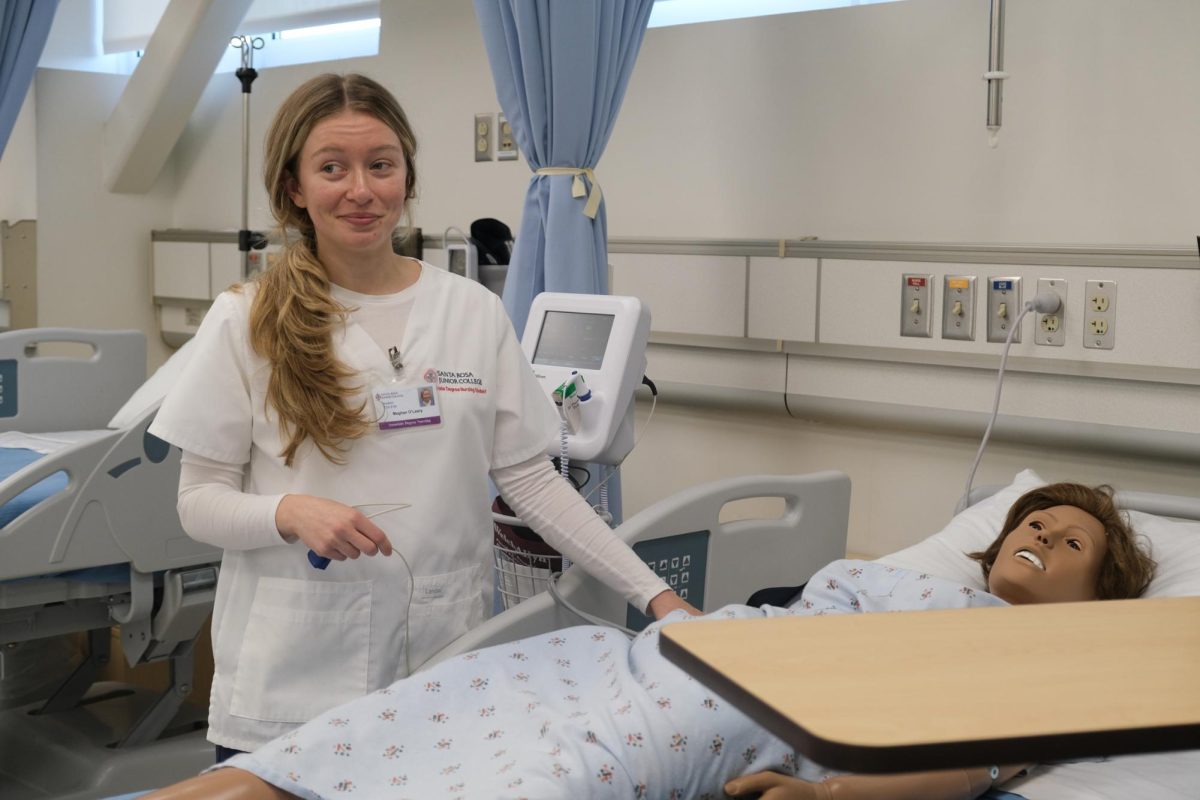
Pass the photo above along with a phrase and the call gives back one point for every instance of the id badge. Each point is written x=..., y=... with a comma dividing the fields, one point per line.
x=399, y=407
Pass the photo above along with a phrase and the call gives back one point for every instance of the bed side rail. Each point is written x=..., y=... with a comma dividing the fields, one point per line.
x=1162, y=505
x=742, y=556
x=41, y=391
x=119, y=506
x=139, y=487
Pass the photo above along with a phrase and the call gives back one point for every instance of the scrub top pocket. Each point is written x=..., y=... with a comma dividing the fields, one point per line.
x=305, y=650
x=444, y=607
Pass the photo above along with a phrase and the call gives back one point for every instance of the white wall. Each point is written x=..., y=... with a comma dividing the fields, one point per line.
x=863, y=123
x=93, y=245
x=18, y=175
x=869, y=123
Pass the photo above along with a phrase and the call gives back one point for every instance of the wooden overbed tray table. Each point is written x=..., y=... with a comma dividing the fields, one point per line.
x=897, y=692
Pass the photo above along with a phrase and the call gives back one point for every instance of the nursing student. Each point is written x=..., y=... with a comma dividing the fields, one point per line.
x=353, y=402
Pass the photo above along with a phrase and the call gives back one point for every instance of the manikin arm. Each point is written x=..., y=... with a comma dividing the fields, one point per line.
x=953, y=784
x=957, y=784
x=230, y=783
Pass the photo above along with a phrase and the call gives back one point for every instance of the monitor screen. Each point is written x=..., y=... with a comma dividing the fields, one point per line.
x=573, y=339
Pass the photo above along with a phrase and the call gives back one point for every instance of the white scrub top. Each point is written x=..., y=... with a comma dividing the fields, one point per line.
x=291, y=641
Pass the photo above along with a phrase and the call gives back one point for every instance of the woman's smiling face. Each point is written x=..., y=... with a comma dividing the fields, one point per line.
x=1052, y=556
x=350, y=178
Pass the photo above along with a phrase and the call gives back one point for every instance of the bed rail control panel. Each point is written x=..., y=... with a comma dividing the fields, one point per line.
x=681, y=561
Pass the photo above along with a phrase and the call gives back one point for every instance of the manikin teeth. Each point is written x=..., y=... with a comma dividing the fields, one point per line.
x=1032, y=558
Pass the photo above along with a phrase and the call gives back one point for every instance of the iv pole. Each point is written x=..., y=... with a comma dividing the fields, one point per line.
x=247, y=239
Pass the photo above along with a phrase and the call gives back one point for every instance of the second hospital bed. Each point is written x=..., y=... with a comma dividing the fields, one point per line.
x=90, y=540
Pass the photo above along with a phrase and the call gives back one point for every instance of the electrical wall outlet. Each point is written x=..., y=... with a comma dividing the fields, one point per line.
x=483, y=137
x=1100, y=315
x=506, y=144
x=916, y=305
x=1003, y=308
x=1048, y=329
x=958, y=307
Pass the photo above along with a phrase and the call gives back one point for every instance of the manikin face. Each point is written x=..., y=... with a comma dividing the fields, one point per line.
x=351, y=180
x=1052, y=556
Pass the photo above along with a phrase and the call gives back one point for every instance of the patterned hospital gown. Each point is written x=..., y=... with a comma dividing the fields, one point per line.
x=581, y=712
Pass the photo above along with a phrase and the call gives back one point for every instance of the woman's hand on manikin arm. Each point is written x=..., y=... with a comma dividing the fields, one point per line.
x=329, y=528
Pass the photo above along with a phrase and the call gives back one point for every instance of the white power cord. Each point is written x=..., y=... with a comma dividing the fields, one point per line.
x=552, y=587
x=1043, y=303
x=321, y=562
x=389, y=508
x=636, y=440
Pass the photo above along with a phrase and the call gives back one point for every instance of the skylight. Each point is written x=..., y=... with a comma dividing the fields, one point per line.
x=685, y=12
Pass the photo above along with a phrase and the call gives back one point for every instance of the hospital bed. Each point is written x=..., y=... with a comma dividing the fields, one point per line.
x=738, y=558
x=90, y=539
x=729, y=560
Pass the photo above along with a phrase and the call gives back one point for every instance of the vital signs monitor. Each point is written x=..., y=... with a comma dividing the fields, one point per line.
x=601, y=339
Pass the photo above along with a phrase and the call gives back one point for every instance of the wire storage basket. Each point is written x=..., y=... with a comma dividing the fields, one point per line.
x=524, y=562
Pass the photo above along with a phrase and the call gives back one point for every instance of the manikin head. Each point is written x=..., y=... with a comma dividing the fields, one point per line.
x=1064, y=543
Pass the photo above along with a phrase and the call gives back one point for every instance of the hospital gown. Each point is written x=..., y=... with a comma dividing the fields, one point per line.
x=578, y=712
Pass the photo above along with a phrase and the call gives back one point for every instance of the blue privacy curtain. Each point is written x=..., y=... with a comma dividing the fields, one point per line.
x=24, y=28
x=561, y=68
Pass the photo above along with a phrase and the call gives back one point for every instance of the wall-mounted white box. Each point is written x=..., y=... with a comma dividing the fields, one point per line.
x=688, y=294
x=181, y=270
x=782, y=300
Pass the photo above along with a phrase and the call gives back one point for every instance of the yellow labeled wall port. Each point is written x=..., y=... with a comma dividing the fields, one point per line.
x=958, y=307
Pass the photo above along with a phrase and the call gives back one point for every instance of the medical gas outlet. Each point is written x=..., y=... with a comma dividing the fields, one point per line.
x=958, y=307
x=1100, y=315
x=916, y=305
x=1003, y=308
x=1048, y=328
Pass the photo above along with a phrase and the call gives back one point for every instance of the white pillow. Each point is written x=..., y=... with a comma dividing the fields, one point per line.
x=1174, y=544
x=152, y=392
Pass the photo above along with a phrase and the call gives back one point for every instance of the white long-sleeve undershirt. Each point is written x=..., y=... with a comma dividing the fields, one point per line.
x=215, y=510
